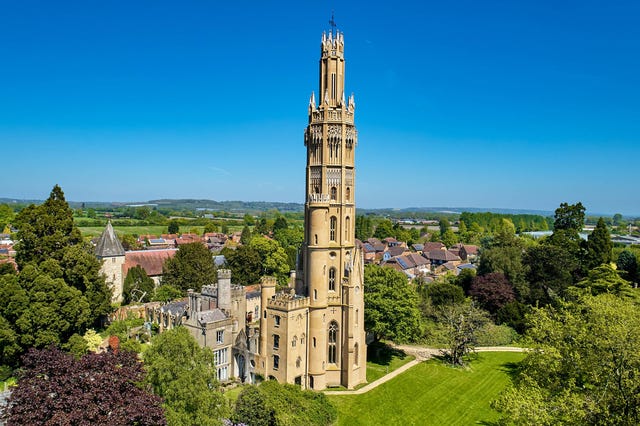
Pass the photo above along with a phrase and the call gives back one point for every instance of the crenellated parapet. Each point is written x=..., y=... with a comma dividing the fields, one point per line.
x=287, y=302
x=224, y=274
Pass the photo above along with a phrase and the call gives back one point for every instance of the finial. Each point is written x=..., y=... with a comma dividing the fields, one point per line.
x=332, y=22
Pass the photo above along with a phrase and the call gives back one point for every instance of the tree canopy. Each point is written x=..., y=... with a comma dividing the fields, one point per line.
x=271, y=403
x=391, y=305
x=191, y=267
x=54, y=387
x=185, y=376
x=584, y=367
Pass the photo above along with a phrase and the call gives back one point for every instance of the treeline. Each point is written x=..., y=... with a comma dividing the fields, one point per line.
x=493, y=222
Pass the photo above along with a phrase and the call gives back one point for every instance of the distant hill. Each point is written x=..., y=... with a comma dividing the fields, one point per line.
x=262, y=206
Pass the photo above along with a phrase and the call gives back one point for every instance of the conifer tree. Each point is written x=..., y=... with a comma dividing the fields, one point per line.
x=599, y=246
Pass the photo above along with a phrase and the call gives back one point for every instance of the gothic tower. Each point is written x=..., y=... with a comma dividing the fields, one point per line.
x=331, y=267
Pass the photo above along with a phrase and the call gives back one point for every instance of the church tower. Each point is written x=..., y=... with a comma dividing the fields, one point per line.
x=330, y=266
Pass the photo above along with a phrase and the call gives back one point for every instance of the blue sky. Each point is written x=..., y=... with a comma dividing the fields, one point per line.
x=482, y=104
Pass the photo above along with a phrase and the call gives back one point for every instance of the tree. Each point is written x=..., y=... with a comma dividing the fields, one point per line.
x=569, y=217
x=6, y=215
x=210, y=227
x=444, y=293
x=166, y=293
x=549, y=273
x=81, y=270
x=363, y=227
x=391, y=305
x=599, y=246
x=492, y=291
x=449, y=238
x=251, y=408
x=583, y=368
x=384, y=230
x=273, y=258
x=45, y=230
x=173, y=227
x=245, y=237
x=504, y=254
x=244, y=263
x=628, y=263
x=56, y=388
x=604, y=279
x=249, y=220
x=444, y=225
x=41, y=309
x=185, y=376
x=272, y=403
x=280, y=223
x=262, y=227
x=137, y=287
x=191, y=267
x=462, y=322
x=50, y=240
x=130, y=242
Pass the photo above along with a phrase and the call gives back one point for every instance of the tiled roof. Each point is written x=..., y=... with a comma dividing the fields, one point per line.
x=449, y=266
x=175, y=308
x=429, y=246
x=379, y=247
x=471, y=249
x=368, y=248
x=396, y=251
x=467, y=266
x=150, y=260
x=442, y=255
x=213, y=315
x=109, y=245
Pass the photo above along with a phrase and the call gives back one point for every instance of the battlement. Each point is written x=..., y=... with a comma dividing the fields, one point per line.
x=287, y=302
x=268, y=281
x=209, y=290
x=224, y=274
x=237, y=291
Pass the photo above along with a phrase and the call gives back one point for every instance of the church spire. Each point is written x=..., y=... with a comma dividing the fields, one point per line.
x=109, y=245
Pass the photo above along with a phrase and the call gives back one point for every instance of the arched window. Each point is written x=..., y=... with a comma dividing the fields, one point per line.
x=333, y=223
x=298, y=362
x=356, y=353
x=332, y=279
x=334, y=193
x=347, y=226
x=333, y=342
x=316, y=239
x=348, y=194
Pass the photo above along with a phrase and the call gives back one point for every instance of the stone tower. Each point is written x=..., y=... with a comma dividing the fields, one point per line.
x=330, y=266
x=110, y=251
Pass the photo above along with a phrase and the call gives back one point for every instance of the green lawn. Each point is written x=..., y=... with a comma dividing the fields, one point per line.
x=382, y=359
x=432, y=393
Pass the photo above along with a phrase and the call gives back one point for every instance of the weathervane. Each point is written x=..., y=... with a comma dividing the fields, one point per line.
x=332, y=22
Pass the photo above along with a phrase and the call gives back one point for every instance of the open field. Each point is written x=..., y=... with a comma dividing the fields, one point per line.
x=96, y=231
x=432, y=393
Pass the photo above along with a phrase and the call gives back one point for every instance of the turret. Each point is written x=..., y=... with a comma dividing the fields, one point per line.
x=224, y=289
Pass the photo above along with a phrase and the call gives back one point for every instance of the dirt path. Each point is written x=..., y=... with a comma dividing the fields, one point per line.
x=422, y=354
